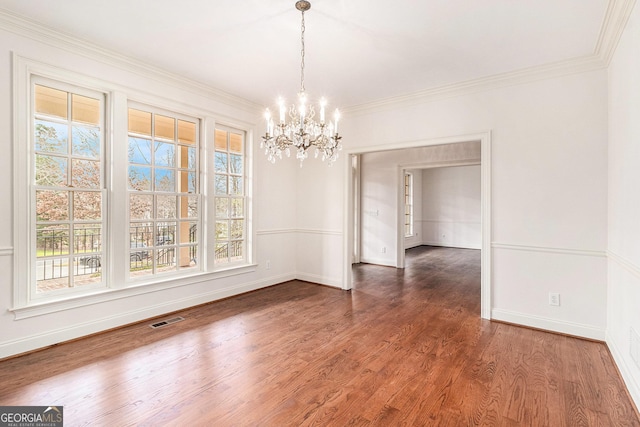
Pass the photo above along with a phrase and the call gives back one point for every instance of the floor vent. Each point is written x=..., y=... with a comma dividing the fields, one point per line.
x=166, y=322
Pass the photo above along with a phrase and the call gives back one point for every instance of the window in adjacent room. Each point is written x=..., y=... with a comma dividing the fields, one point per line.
x=408, y=204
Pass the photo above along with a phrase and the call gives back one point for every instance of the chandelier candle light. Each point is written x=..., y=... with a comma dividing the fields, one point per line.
x=297, y=128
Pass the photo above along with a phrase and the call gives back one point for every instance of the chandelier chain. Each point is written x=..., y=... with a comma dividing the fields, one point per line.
x=302, y=56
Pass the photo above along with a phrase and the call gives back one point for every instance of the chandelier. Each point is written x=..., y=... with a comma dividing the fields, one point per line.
x=297, y=128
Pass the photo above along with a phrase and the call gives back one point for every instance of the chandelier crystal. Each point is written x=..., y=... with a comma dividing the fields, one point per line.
x=297, y=128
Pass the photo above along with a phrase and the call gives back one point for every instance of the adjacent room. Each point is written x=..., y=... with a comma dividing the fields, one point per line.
x=321, y=213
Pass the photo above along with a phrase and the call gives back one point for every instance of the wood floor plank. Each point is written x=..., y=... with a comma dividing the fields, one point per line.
x=404, y=347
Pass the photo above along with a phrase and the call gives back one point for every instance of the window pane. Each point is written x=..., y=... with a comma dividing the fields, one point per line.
x=236, y=185
x=89, y=267
x=188, y=207
x=52, y=274
x=51, y=137
x=51, y=171
x=50, y=101
x=186, y=132
x=183, y=151
x=141, y=235
x=139, y=151
x=165, y=233
x=222, y=207
x=87, y=205
x=222, y=252
x=221, y=162
x=190, y=230
x=85, y=141
x=220, y=183
x=140, y=206
x=222, y=230
x=52, y=240
x=166, y=207
x=235, y=165
x=165, y=180
x=187, y=182
x=52, y=205
x=192, y=182
x=84, y=274
x=165, y=127
x=191, y=164
x=140, y=261
x=165, y=154
x=237, y=208
x=139, y=178
x=166, y=259
x=85, y=110
x=235, y=143
x=139, y=122
x=237, y=250
x=188, y=256
x=237, y=229
x=87, y=238
x=85, y=173
x=220, y=140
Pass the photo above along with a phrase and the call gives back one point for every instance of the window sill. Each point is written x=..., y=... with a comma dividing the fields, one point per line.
x=40, y=308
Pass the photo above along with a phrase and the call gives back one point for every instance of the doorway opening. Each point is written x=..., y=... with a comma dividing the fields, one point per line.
x=400, y=158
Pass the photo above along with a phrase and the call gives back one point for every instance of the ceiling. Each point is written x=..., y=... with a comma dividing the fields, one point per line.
x=357, y=51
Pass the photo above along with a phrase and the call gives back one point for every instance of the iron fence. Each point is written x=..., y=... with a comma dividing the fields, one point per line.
x=53, y=249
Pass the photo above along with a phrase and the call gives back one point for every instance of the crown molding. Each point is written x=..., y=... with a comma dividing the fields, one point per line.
x=615, y=20
x=33, y=30
x=496, y=81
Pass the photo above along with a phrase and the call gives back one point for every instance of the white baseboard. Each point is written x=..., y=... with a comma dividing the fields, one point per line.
x=378, y=261
x=37, y=341
x=453, y=245
x=553, y=325
x=321, y=280
x=621, y=362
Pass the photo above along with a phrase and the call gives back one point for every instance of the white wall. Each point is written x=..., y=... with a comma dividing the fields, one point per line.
x=380, y=185
x=451, y=207
x=623, y=308
x=273, y=201
x=549, y=190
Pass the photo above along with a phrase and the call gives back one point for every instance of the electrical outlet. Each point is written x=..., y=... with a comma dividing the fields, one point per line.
x=554, y=298
x=268, y=265
x=384, y=250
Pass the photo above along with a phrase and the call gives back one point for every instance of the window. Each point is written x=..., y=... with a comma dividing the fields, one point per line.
x=230, y=197
x=164, y=208
x=68, y=158
x=408, y=204
x=108, y=197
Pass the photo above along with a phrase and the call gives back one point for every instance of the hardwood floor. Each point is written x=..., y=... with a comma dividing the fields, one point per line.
x=405, y=347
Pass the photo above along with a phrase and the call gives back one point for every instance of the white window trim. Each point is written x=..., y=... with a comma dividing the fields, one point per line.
x=117, y=99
